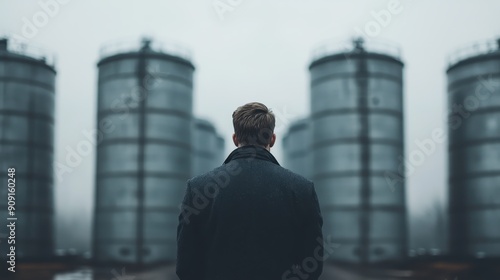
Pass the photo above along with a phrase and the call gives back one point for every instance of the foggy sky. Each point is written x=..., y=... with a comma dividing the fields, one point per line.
x=260, y=51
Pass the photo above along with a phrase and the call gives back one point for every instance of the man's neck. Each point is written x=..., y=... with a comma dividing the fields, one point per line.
x=266, y=147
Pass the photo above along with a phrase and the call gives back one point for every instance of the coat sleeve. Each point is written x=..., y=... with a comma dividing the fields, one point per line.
x=189, y=241
x=313, y=237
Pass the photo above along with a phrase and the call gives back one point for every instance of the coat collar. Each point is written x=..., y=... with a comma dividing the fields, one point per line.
x=251, y=152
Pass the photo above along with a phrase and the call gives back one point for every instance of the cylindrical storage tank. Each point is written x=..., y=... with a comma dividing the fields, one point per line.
x=144, y=152
x=474, y=150
x=357, y=146
x=221, y=151
x=205, y=147
x=297, y=148
x=27, y=99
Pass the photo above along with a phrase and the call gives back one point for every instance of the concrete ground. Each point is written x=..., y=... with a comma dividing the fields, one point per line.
x=421, y=270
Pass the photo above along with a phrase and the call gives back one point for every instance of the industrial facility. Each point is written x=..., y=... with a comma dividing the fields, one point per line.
x=145, y=98
x=27, y=97
x=355, y=136
x=350, y=144
x=474, y=150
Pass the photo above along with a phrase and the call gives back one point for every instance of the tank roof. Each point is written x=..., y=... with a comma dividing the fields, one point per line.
x=18, y=48
x=473, y=50
x=221, y=140
x=130, y=46
x=302, y=123
x=203, y=123
x=355, y=45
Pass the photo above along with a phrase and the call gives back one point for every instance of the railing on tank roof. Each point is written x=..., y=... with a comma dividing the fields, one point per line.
x=15, y=46
x=170, y=48
x=475, y=49
x=332, y=47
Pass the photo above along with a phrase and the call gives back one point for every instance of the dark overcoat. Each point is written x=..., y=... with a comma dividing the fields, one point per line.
x=249, y=219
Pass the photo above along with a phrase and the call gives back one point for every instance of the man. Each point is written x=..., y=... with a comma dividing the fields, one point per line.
x=250, y=218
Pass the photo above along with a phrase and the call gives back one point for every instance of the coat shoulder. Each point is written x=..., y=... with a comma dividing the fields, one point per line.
x=278, y=172
x=205, y=177
x=295, y=177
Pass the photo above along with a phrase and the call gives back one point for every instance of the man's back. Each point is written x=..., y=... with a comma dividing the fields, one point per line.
x=249, y=219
